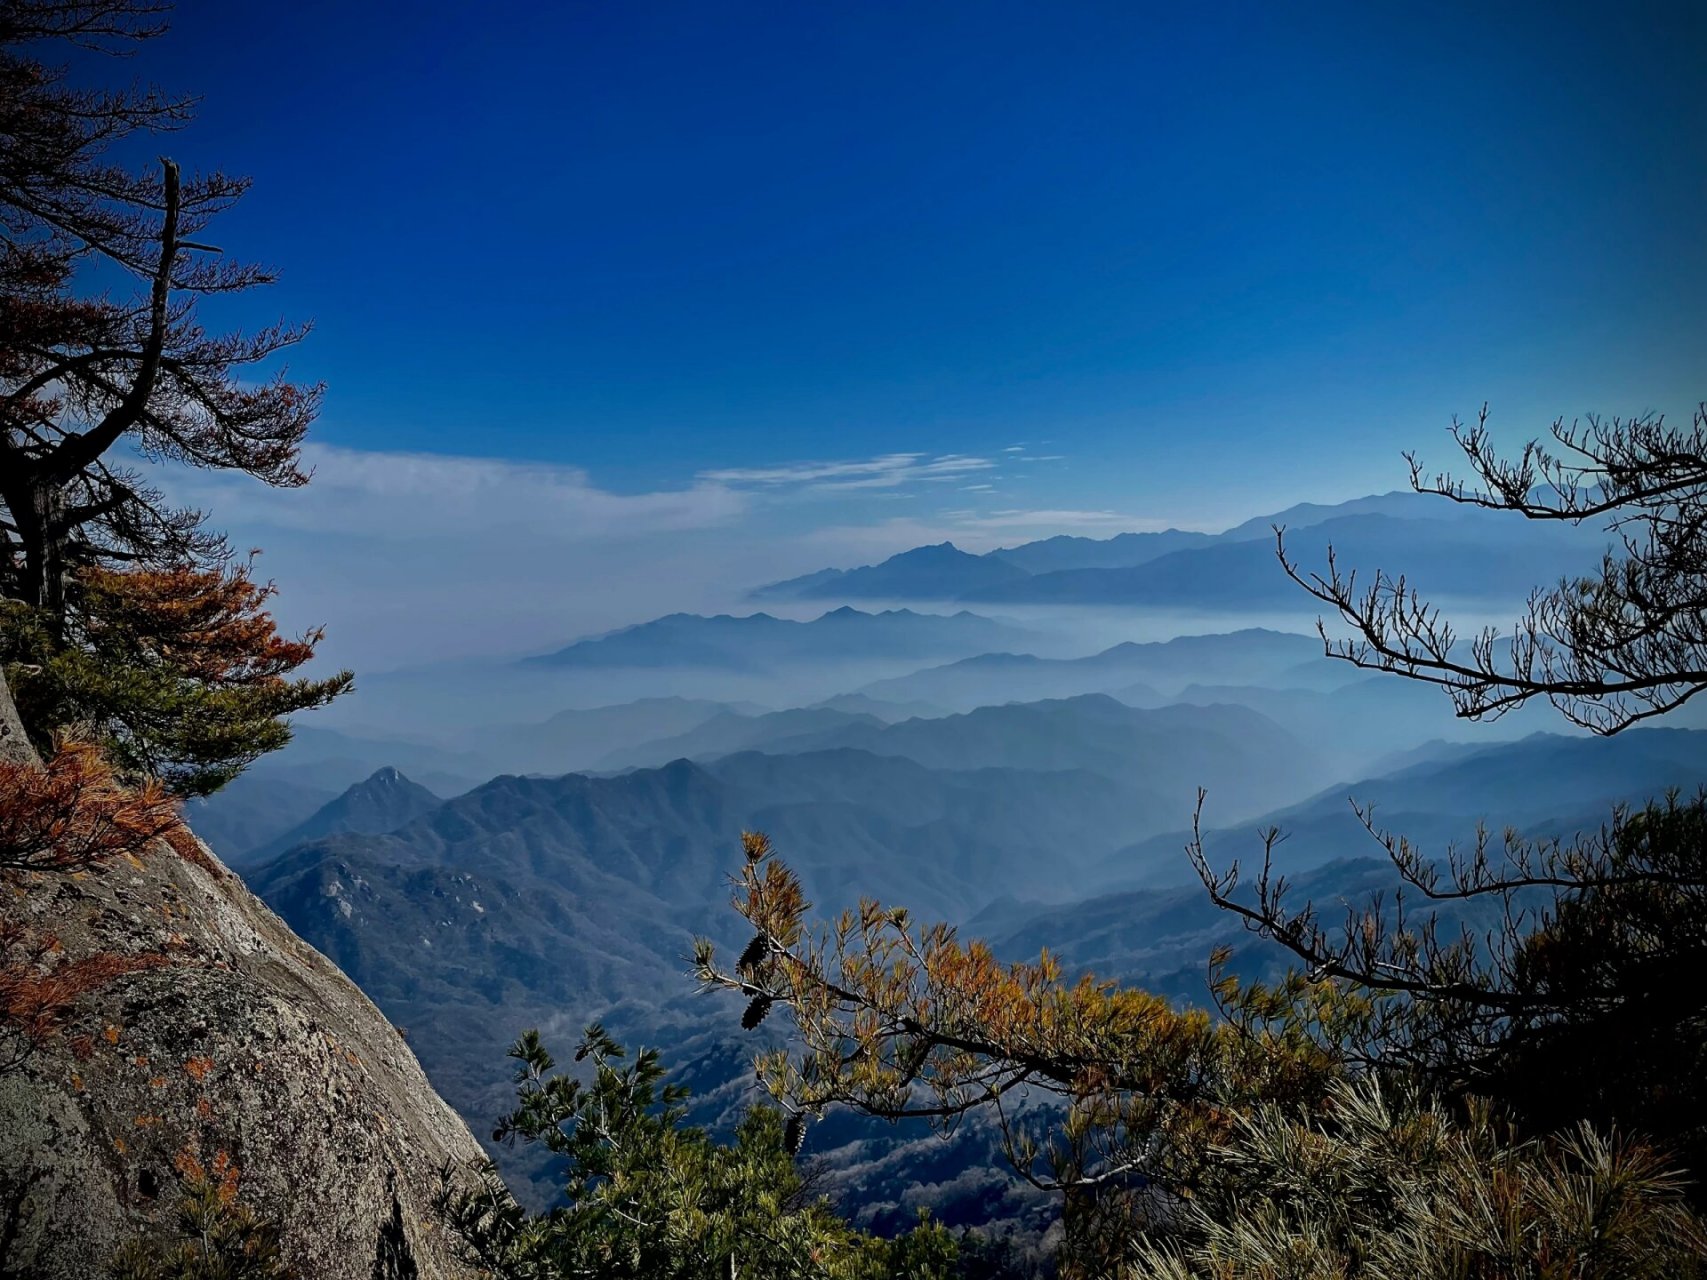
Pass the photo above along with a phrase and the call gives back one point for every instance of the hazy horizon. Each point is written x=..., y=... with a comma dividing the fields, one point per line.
x=687, y=300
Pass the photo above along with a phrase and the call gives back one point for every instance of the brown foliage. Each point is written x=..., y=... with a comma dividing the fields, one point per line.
x=180, y=673
x=899, y=1021
x=38, y=990
x=73, y=813
x=209, y=625
x=223, y=1176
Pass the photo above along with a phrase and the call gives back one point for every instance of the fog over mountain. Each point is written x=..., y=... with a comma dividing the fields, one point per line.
x=759, y=641
x=1256, y=655
x=1544, y=784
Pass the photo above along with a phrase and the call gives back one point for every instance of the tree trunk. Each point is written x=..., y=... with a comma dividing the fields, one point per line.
x=49, y=553
x=40, y=518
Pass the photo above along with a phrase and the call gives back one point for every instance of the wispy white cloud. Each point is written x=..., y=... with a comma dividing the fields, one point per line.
x=887, y=471
x=432, y=496
x=413, y=557
x=408, y=558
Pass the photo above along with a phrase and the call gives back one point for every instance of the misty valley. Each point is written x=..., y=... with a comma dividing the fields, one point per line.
x=1005, y=772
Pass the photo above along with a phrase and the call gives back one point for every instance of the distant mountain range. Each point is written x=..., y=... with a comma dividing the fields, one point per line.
x=1355, y=724
x=730, y=731
x=1169, y=751
x=1144, y=672
x=285, y=789
x=551, y=900
x=1445, y=548
x=273, y=804
x=1546, y=784
x=888, y=712
x=596, y=855
x=579, y=739
x=1052, y=555
x=760, y=642
x=938, y=572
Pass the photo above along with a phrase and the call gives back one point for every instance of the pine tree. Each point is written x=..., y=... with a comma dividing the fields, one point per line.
x=180, y=674
x=646, y=1195
x=215, y=1236
x=120, y=613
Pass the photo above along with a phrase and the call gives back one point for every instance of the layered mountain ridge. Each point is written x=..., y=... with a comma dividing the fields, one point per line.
x=1448, y=549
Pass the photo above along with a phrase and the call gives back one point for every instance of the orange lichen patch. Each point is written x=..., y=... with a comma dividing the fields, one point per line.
x=204, y=1108
x=77, y=1082
x=157, y=1082
x=140, y=1060
x=111, y=1034
x=353, y=1058
x=188, y=1164
x=197, y=1068
x=118, y=1145
x=148, y=1122
x=225, y=1173
x=134, y=860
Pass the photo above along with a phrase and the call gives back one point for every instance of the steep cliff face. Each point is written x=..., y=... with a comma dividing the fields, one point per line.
x=204, y=1032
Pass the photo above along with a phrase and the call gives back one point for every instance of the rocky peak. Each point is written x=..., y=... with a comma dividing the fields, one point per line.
x=204, y=1032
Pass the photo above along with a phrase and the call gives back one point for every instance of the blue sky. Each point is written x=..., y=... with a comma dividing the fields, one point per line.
x=805, y=283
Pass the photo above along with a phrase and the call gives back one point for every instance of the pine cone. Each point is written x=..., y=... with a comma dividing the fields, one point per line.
x=757, y=1008
x=754, y=953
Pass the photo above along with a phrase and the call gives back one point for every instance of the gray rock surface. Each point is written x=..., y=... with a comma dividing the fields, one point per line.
x=13, y=744
x=206, y=1033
